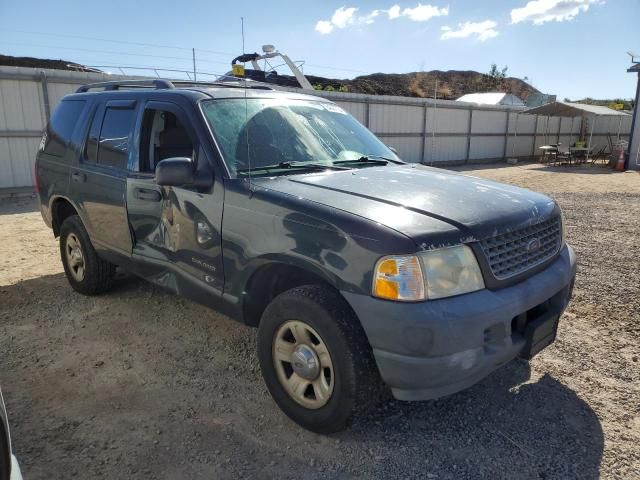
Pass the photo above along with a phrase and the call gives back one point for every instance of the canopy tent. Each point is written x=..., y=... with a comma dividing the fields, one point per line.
x=569, y=109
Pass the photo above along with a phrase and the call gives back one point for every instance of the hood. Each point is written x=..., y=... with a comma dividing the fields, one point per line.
x=434, y=207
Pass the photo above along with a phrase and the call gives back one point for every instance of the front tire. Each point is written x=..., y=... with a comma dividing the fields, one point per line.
x=316, y=360
x=86, y=272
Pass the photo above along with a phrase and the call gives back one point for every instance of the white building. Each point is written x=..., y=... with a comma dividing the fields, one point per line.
x=492, y=98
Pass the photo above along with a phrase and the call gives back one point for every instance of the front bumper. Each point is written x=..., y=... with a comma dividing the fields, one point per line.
x=435, y=348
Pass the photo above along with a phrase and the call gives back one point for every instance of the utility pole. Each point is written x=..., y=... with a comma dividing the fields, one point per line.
x=193, y=51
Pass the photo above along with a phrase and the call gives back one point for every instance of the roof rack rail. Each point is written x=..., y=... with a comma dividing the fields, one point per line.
x=120, y=84
x=161, y=84
x=233, y=83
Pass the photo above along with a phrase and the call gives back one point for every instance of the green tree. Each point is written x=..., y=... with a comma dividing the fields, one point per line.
x=496, y=78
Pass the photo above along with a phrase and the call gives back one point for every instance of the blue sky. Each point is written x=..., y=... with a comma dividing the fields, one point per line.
x=572, y=48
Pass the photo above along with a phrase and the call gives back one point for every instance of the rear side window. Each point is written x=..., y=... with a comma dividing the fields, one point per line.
x=61, y=126
x=114, y=137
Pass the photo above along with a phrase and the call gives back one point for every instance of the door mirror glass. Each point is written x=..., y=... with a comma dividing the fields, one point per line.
x=175, y=172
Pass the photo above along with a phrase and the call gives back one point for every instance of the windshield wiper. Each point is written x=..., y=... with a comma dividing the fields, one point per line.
x=374, y=159
x=295, y=165
x=380, y=157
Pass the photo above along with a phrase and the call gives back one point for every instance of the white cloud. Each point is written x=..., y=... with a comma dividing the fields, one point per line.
x=346, y=16
x=343, y=16
x=394, y=12
x=483, y=30
x=324, y=27
x=422, y=13
x=369, y=19
x=541, y=11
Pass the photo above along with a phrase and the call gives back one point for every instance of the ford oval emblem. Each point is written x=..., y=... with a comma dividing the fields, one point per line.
x=533, y=245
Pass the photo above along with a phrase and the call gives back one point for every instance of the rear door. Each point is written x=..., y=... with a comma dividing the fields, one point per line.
x=99, y=181
x=175, y=226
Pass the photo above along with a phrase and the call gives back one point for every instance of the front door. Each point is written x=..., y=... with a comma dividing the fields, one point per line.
x=176, y=230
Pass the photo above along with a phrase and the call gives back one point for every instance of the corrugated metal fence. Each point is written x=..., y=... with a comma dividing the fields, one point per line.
x=429, y=131
x=421, y=130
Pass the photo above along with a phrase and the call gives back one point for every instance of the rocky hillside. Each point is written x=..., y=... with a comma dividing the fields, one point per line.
x=450, y=84
x=42, y=63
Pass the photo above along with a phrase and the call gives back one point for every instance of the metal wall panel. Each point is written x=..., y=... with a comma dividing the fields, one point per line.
x=521, y=123
x=409, y=149
x=488, y=122
x=21, y=106
x=566, y=124
x=519, y=146
x=486, y=147
x=59, y=90
x=396, y=118
x=447, y=120
x=444, y=149
x=17, y=157
x=543, y=122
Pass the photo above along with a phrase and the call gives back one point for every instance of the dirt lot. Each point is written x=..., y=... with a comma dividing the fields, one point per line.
x=140, y=384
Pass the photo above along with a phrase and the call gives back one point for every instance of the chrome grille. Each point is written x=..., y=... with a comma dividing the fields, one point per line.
x=515, y=252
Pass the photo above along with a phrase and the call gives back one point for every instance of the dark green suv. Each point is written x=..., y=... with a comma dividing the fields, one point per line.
x=283, y=212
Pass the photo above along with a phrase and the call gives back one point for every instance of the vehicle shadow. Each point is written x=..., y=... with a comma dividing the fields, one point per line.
x=507, y=426
x=588, y=168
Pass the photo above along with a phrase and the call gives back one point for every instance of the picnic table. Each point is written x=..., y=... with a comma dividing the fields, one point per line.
x=549, y=152
x=579, y=154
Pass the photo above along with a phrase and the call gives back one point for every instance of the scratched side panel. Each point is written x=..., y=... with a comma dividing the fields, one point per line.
x=269, y=226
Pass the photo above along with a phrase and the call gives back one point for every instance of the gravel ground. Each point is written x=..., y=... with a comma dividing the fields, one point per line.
x=139, y=383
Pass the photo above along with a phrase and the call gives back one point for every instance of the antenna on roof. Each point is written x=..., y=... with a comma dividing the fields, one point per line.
x=242, y=29
x=635, y=58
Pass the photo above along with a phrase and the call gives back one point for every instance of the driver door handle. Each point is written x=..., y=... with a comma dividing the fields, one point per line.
x=78, y=177
x=147, y=194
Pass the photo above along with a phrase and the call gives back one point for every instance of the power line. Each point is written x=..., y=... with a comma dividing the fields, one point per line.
x=111, y=52
x=215, y=52
x=155, y=45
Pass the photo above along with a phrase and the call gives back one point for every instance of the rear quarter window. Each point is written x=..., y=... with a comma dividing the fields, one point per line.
x=61, y=126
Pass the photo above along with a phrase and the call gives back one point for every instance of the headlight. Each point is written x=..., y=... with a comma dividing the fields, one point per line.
x=434, y=274
x=451, y=271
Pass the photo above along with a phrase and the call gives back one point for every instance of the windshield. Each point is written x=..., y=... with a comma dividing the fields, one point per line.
x=259, y=132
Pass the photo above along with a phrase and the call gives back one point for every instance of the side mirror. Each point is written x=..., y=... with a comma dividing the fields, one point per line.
x=175, y=172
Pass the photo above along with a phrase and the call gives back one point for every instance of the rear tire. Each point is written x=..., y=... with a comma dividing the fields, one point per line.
x=86, y=272
x=321, y=329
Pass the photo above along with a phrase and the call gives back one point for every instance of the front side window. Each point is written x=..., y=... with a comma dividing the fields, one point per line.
x=258, y=132
x=113, y=147
x=163, y=136
x=61, y=126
